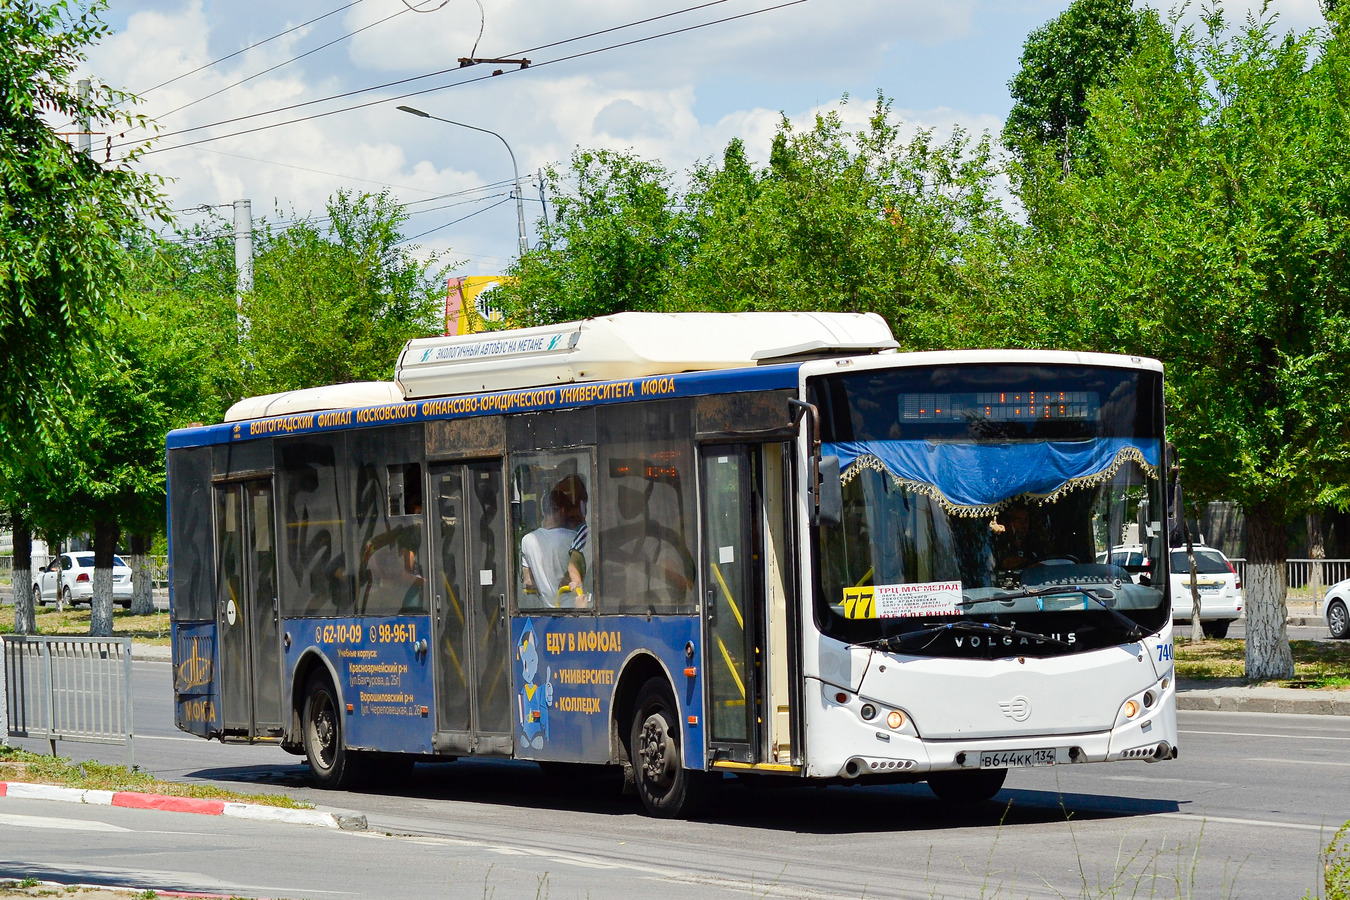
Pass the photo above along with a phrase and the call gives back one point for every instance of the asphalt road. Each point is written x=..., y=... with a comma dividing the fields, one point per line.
x=1243, y=811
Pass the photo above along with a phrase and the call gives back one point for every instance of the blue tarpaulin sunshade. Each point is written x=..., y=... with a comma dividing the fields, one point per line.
x=979, y=479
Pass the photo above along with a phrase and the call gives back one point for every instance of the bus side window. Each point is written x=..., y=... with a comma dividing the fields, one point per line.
x=386, y=521
x=551, y=508
x=646, y=496
x=314, y=517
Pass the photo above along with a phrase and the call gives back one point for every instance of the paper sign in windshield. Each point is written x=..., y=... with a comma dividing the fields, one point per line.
x=898, y=601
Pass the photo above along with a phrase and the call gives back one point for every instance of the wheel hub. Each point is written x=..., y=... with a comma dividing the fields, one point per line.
x=657, y=752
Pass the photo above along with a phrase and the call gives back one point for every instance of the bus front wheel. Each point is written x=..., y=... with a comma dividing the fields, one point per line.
x=974, y=786
x=331, y=763
x=668, y=790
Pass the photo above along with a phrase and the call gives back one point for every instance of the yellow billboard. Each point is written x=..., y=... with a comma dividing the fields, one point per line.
x=466, y=309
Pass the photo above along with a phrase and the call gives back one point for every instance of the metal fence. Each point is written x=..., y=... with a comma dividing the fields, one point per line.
x=69, y=689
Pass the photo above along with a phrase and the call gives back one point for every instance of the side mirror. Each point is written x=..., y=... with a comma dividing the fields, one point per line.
x=831, y=492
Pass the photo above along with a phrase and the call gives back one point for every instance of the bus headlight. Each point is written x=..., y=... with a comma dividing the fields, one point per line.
x=896, y=720
x=1131, y=708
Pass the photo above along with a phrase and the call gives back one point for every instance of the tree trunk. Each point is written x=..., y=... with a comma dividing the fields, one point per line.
x=1268, y=653
x=106, y=533
x=21, y=571
x=142, y=589
x=1317, y=551
x=1197, y=629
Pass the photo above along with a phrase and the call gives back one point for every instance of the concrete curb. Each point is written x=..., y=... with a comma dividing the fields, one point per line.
x=136, y=800
x=1266, y=700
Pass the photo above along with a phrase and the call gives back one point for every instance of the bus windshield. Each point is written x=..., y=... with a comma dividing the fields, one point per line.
x=982, y=505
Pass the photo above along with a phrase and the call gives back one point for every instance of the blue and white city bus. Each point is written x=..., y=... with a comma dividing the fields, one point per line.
x=763, y=544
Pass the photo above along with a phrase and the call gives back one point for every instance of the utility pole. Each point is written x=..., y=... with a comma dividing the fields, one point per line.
x=543, y=204
x=243, y=255
x=82, y=142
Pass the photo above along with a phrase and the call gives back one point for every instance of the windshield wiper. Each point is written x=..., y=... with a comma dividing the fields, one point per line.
x=898, y=641
x=1133, y=630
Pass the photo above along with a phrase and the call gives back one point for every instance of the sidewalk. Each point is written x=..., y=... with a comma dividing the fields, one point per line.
x=1230, y=695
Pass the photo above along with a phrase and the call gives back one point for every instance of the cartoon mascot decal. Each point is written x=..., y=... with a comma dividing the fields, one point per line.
x=534, y=699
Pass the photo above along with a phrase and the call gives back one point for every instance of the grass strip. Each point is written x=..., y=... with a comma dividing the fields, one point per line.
x=150, y=629
x=24, y=766
x=1317, y=664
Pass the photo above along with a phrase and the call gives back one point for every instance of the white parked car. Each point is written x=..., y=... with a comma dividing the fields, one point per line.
x=72, y=574
x=1334, y=611
x=1221, y=597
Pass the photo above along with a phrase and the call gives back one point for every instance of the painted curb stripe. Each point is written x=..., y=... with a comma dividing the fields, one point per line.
x=279, y=814
x=45, y=792
x=137, y=800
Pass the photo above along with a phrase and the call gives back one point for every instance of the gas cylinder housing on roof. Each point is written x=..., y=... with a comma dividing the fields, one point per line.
x=630, y=345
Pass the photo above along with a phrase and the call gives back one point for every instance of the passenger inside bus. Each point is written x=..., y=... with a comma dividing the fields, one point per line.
x=552, y=557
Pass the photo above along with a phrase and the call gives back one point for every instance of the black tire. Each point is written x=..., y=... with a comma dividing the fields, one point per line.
x=37, y=596
x=1337, y=619
x=668, y=790
x=68, y=601
x=1217, y=629
x=330, y=762
x=974, y=786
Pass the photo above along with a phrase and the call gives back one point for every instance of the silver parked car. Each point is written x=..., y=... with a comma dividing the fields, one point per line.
x=1335, y=609
x=72, y=574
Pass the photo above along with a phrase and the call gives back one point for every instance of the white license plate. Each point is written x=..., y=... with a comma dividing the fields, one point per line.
x=1016, y=759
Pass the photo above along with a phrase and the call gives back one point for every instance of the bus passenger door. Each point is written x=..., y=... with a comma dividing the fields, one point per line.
x=247, y=612
x=469, y=543
x=733, y=593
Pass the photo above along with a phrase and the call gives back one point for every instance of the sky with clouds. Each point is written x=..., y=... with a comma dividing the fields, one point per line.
x=268, y=124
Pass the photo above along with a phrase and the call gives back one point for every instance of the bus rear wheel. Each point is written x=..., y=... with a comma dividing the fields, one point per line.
x=330, y=762
x=975, y=786
x=668, y=790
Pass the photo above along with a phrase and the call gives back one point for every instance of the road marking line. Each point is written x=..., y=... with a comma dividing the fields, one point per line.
x=1275, y=735
x=1148, y=780
x=1258, y=823
x=57, y=824
x=1295, y=762
x=169, y=737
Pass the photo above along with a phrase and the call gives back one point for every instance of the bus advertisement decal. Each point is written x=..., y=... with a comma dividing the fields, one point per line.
x=196, y=701
x=383, y=674
x=567, y=668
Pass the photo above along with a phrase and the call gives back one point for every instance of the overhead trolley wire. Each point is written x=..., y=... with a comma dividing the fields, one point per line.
x=506, y=199
x=402, y=81
x=285, y=62
x=460, y=83
x=230, y=56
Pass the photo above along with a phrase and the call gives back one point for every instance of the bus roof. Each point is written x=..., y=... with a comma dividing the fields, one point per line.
x=630, y=345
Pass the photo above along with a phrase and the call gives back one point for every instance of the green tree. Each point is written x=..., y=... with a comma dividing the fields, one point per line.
x=836, y=221
x=64, y=216
x=1214, y=235
x=335, y=305
x=852, y=222
x=616, y=244
x=1062, y=61
x=104, y=474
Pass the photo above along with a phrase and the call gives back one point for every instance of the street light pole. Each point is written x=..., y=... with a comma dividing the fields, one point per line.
x=520, y=205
